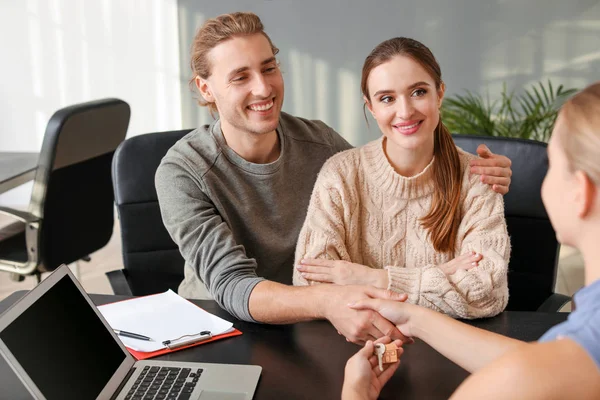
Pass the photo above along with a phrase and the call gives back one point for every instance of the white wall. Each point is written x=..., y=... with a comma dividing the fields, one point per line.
x=61, y=52
x=480, y=44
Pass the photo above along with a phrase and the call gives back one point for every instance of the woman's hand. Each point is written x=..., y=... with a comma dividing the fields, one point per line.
x=363, y=379
x=342, y=273
x=465, y=262
x=398, y=313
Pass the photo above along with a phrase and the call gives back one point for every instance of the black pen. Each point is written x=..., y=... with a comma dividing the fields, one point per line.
x=132, y=335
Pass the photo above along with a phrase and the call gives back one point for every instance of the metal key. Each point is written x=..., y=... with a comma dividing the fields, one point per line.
x=379, y=350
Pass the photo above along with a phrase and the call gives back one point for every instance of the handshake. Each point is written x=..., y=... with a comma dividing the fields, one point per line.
x=371, y=367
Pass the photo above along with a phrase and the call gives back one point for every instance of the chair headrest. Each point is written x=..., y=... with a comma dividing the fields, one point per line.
x=529, y=165
x=135, y=164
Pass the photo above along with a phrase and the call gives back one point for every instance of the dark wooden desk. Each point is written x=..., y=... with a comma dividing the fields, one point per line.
x=306, y=360
x=16, y=169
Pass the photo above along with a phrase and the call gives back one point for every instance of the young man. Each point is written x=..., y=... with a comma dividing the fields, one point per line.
x=234, y=194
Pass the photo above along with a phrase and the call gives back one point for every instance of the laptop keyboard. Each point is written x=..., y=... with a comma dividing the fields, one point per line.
x=164, y=383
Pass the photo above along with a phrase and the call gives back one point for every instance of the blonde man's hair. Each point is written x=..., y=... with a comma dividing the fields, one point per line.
x=215, y=31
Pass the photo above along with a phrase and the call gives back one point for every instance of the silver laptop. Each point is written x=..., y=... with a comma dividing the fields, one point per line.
x=60, y=346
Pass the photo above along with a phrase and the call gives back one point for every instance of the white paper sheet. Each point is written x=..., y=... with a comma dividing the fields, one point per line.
x=164, y=316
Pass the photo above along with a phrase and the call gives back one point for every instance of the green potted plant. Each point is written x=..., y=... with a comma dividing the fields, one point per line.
x=528, y=115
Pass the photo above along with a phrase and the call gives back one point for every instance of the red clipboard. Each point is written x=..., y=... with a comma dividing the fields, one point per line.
x=142, y=355
x=139, y=355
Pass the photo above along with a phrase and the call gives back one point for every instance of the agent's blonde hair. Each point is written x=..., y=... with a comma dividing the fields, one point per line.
x=581, y=141
x=215, y=31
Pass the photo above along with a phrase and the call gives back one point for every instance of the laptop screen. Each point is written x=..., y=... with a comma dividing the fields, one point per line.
x=62, y=344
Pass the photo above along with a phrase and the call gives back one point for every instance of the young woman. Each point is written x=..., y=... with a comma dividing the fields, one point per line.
x=565, y=363
x=403, y=212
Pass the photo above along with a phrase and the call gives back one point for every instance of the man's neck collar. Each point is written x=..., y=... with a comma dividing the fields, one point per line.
x=254, y=148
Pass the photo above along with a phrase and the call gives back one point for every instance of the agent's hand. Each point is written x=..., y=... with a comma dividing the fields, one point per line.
x=363, y=379
x=398, y=313
x=465, y=262
x=359, y=325
x=342, y=273
x=493, y=168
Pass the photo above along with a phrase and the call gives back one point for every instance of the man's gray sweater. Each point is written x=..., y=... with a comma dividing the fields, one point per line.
x=236, y=223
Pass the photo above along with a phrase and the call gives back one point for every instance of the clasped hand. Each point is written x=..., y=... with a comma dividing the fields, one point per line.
x=363, y=379
x=359, y=325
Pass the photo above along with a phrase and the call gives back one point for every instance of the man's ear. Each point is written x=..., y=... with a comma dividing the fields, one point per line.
x=441, y=92
x=204, y=89
x=585, y=194
x=369, y=106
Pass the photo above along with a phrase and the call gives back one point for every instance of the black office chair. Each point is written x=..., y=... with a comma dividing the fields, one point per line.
x=533, y=262
x=152, y=262
x=71, y=209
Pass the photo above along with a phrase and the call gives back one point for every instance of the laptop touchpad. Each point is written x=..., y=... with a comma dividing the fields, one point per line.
x=209, y=395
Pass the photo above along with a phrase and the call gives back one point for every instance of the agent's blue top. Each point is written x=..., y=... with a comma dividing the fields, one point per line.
x=583, y=324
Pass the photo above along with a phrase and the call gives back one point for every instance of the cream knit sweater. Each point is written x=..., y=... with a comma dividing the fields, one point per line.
x=362, y=211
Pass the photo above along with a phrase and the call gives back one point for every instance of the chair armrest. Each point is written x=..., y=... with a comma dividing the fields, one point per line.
x=118, y=282
x=554, y=303
x=20, y=215
x=32, y=239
